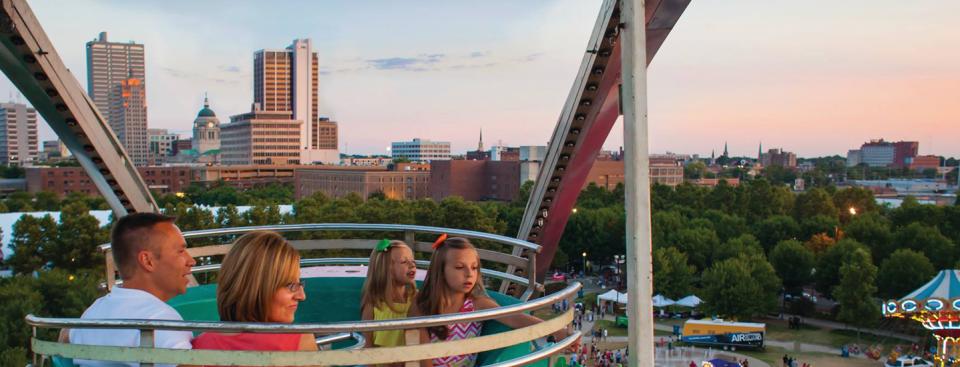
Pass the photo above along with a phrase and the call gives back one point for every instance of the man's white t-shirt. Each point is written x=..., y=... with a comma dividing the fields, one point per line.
x=122, y=303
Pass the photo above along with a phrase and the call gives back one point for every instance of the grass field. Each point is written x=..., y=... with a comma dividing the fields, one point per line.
x=834, y=338
x=614, y=330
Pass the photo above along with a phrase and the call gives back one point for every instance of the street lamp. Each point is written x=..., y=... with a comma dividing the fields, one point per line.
x=853, y=211
x=620, y=259
x=584, y=263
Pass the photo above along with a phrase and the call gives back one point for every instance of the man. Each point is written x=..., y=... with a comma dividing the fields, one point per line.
x=151, y=256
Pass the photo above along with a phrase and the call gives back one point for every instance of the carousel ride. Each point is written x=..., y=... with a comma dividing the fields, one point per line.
x=936, y=306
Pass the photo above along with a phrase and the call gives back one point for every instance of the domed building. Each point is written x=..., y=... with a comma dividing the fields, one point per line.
x=206, y=131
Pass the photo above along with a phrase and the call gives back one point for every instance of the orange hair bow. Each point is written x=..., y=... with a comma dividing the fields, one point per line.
x=439, y=241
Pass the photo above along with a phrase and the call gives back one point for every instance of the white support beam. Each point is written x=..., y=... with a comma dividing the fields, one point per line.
x=636, y=156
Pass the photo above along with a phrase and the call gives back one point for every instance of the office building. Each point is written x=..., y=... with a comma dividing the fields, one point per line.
x=904, y=152
x=419, y=150
x=261, y=137
x=502, y=153
x=366, y=161
x=610, y=173
x=880, y=153
x=778, y=157
x=531, y=157
x=18, y=134
x=666, y=169
x=161, y=144
x=53, y=150
x=922, y=162
x=877, y=153
x=130, y=123
x=116, y=81
x=324, y=136
x=475, y=180
x=287, y=81
x=853, y=158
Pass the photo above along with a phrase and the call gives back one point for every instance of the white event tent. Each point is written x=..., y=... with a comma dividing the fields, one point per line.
x=613, y=296
x=689, y=301
x=660, y=301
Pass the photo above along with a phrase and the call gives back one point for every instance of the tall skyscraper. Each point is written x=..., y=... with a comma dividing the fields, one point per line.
x=116, y=80
x=128, y=108
x=18, y=134
x=287, y=81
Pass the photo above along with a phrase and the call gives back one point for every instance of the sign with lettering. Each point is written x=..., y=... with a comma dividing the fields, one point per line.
x=749, y=340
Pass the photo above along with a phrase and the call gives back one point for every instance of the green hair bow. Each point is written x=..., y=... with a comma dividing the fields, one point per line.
x=383, y=245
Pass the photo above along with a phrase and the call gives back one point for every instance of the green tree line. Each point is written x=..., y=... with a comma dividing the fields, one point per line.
x=738, y=247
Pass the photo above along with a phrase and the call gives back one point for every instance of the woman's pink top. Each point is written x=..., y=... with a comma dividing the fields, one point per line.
x=248, y=341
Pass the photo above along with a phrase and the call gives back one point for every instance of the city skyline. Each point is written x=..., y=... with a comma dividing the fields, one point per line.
x=786, y=75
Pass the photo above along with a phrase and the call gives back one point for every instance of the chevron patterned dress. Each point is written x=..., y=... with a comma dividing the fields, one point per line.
x=457, y=332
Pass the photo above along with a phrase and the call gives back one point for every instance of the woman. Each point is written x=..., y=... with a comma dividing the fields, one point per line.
x=259, y=282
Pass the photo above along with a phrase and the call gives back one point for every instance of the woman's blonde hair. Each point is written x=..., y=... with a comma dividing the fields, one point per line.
x=435, y=291
x=258, y=264
x=380, y=278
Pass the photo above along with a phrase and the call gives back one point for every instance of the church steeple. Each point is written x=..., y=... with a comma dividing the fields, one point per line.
x=726, y=153
x=760, y=151
x=480, y=145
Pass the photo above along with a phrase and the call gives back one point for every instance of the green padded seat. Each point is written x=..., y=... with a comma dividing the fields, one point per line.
x=336, y=300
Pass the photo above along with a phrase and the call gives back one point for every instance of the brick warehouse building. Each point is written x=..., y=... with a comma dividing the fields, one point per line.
x=64, y=180
x=475, y=180
x=401, y=184
x=161, y=179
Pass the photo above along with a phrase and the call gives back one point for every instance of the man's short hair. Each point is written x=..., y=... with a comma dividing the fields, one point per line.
x=130, y=235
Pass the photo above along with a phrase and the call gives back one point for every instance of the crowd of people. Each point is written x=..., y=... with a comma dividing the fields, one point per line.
x=597, y=356
x=259, y=281
x=789, y=361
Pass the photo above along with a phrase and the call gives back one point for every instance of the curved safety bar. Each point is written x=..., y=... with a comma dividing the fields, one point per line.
x=423, y=264
x=409, y=231
x=330, y=339
x=365, y=356
x=355, y=355
x=540, y=354
x=338, y=327
x=358, y=227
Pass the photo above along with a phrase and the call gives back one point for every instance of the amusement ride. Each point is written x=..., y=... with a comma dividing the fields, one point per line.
x=936, y=306
x=610, y=82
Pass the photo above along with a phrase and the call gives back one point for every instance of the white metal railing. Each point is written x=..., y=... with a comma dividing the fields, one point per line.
x=520, y=254
x=329, y=333
x=355, y=355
